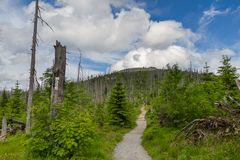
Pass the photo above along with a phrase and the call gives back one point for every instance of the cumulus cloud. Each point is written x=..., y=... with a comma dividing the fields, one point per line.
x=147, y=57
x=164, y=33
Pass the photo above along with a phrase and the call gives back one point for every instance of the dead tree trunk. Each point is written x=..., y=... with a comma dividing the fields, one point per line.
x=32, y=70
x=80, y=68
x=59, y=69
x=238, y=83
x=4, y=128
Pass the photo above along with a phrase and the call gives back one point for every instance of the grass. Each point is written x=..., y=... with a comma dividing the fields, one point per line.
x=109, y=137
x=160, y=145
x=13, y=148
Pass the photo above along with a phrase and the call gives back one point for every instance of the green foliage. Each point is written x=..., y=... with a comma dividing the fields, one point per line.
x=4, y=102
x=183, y=98
x=74, y=135
x=67, y=136
x=71, y=134
x=160, y=144
x=47, y=79
x=100, y=114
x=76, y=96
x=118, y=108
x=13, y=148
x=228, y=74
x=171, y=84
x=17, y=104
x=207, y=75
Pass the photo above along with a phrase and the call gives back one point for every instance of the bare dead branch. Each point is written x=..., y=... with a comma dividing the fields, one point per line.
x=219, y=126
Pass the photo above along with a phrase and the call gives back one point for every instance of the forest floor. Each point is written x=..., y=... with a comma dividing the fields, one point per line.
x=130, y=147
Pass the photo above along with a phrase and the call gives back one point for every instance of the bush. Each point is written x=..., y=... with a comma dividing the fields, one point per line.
x=70, y=135
x=64, y=137
x=73, y=136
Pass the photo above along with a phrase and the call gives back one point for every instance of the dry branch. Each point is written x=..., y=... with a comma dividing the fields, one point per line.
x=219, y=126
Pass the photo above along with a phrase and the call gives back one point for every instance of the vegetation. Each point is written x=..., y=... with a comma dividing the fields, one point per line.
x=14, y=148
x=79, y=131
x=182, y=99
x=118, y=109
x=89, y=124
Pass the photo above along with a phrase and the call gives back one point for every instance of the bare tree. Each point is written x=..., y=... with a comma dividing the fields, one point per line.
x=37, y=16
x=4, y=128
x=32, y=69
x=80, y=70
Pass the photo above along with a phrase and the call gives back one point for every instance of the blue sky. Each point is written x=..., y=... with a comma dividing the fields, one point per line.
x=119, y=34
x=225, y=29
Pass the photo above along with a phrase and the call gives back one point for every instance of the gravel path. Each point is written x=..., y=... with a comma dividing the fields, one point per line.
x=130, y=148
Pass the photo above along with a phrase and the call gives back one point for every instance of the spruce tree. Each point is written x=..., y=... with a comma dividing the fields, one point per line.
x=4, y=102
x=207, y=76
x=16, y=102
x=118, y=107
x=228, y=74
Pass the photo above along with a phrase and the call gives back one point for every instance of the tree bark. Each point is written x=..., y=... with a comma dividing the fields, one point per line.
x=59, y=69
x=4, y=127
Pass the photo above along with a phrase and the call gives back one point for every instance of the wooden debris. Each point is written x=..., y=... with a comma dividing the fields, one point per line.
x=196, y=130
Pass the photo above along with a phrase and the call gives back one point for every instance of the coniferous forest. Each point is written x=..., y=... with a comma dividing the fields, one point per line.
x=188, y=113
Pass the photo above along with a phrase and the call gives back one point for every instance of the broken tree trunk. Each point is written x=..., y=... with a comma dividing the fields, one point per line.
x=59, y=69
x=4, y=128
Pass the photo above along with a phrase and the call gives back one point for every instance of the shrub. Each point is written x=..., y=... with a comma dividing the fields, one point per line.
x=70, y=135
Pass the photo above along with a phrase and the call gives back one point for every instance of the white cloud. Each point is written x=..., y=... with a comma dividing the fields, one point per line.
x=77, y=24
x=165, y=33
x=209, y=15
x=147, y=57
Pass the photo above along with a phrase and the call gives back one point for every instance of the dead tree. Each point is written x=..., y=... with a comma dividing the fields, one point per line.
x=80, y=68
x=59, y=70
x=238, y=83
x=4, y=128
x=32, y=70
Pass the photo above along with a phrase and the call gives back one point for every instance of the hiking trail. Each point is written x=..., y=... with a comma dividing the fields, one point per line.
x=130, y=147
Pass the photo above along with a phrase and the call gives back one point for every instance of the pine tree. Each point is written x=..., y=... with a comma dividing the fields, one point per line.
x=4, y=102
x=16, y=102
x=118, y=107
x=228, y=74
x=46, y=79
x=207, y=76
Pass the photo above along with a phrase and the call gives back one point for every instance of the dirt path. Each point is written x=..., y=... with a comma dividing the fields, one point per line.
x=130, y=148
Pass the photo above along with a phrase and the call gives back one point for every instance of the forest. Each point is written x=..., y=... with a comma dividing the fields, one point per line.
x=188, y=113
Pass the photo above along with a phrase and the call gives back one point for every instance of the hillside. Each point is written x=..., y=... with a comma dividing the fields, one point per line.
x=141, y=84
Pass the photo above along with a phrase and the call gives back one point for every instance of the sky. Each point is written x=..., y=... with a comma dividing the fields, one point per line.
x=117, y=34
